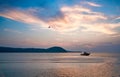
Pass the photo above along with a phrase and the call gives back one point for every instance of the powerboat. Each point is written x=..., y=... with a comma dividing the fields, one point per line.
x=85, y=54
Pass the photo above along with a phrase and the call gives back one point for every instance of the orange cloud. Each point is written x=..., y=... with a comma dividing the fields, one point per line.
x=77, y=16
x=23, y=16
x=101, y=27
x=74, y=18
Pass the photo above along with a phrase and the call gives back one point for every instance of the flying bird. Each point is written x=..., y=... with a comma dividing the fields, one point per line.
x=52, y=26
x=49, y=27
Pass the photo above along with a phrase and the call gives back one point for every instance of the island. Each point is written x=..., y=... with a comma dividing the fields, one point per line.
x=54, y=49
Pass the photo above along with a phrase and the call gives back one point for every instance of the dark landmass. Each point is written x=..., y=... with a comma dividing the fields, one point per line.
x=32, y=50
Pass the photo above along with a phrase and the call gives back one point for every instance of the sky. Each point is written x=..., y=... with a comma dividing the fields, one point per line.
x=72, y=24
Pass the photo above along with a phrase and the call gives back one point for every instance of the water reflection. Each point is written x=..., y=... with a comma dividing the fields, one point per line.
x=92, y=70
x=58, y=65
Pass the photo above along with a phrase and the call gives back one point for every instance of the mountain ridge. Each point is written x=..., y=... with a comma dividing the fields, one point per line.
x=34, y=50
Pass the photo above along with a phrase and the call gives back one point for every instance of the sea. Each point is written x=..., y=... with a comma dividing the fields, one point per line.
x=59, y=65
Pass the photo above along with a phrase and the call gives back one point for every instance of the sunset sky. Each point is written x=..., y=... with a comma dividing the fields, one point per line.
x=71, y=24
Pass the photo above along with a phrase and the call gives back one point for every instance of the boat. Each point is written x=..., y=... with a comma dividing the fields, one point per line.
x=85, y=54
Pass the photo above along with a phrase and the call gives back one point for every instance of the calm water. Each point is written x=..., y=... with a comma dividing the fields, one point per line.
x=59, y=65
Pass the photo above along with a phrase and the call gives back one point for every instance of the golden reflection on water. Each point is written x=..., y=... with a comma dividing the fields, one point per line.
x=102, y=70
x=90, y=70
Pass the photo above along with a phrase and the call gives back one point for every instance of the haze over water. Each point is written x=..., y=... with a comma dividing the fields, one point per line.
x=59, y=65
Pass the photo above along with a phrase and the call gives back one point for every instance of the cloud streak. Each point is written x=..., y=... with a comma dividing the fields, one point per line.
x=117, y=18
x=93, y=4
x=23, y=16
x=11, y=30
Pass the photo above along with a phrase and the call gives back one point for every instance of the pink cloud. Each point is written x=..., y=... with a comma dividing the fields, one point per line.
x=23, y=16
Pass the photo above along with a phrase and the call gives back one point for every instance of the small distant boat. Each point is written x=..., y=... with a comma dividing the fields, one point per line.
x=85, y=54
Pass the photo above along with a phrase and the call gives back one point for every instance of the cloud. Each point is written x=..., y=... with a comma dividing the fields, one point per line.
x=73, y=18
x=117, y=18
x=11, y=30
x=106, y=28
x=93, y=4
x=23, y=16
x=84, y=19
x=77, y=16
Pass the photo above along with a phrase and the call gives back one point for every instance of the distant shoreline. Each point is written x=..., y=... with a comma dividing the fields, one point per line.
x=54, y=49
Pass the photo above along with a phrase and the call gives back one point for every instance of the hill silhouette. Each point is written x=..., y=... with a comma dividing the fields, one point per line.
x=33, y=50
x=56, y=49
